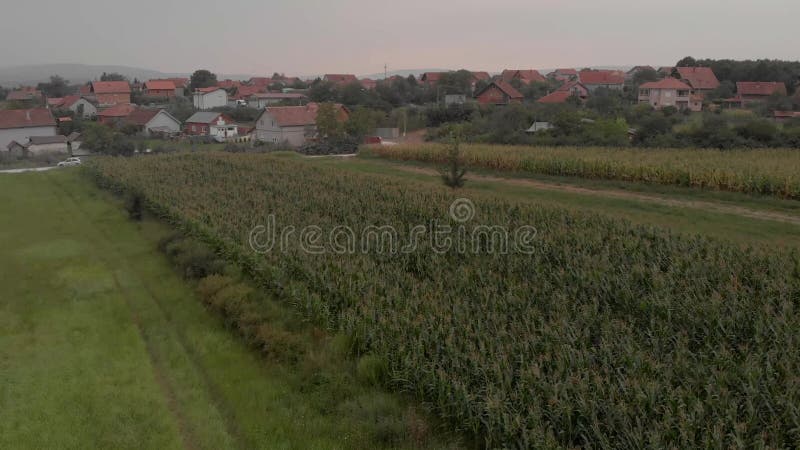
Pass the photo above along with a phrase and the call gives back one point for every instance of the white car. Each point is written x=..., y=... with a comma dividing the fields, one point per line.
x=70, y=162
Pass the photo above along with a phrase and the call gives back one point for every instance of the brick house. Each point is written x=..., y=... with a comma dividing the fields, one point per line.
x=160, y=88
x=669, y=92
x=758, y=91
x=212, y=124
x=498, y=92
x=570, y=89
x=110, y=93
x=564, y=75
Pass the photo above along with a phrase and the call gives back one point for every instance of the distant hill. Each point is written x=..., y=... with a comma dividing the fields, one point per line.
x=81, y=73
x=402, y=73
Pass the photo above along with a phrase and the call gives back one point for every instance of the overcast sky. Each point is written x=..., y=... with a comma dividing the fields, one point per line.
x=304, y=37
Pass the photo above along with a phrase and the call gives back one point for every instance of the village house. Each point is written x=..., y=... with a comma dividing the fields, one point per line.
x=27, y=96
x=115, y=114
x=109, y=93
x=559, y=96
x=160, y=88
x=669, y=92
x=524, y=76
x=597, y=79
x=758, y=91
x=21, y=124
x=40, y=145
x=153, y=122
x=498, y=92
x=564, y=75
x=368, y=83
x=242, y=94
x=701, y=79
x=75, y=103
x=213, y=124
x=339, y=79
x=431, y=78
x=229, y=84
x=264, y=99
x=785, y=116
x=210, y=97
x=291, y=124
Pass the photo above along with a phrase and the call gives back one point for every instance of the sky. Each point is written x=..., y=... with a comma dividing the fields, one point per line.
x=309, y=37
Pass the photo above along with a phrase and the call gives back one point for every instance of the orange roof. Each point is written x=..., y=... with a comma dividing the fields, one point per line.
x=555, y=97
x=481, y=76
x=431, y=77
x=526, y=76
x=760, y=88
x=206, y=90
x=243, y=91
x=666, y=83
x=70, y=100
x=23, y=118
x=339, y=78
x=504, y=87
x=119, y=110
x=699, y=77
x=111, y=87
x=786, y=114
x=601, y=77
x=295, y=116
x=160, y=85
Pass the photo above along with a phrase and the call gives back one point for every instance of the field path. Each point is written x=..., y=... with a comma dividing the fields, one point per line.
x=621, y=194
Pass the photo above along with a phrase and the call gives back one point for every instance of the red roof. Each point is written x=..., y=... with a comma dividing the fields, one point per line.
x=295, y=116
x=243, y=92
x=85, y=90
x=55, y=102
x=481, y=76
x=119, y=110
x=601, y=77
x=206, y=90
x=160, y=85
x=760, y=88
x=141, y=116
x=555, y=97
x=526, y=76
x=431, y=77
x=70, y=100
x=111, y=87
x=338, y=78
x=24, y=118
x=565, y=72
x=368, y=83
x=23, y=94
x=227, y=84
x=666, y=83
x=504, y=87
x=699, y=77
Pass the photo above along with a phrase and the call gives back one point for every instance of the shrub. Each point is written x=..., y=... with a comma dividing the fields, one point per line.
x=134, y=204
x=372, y=369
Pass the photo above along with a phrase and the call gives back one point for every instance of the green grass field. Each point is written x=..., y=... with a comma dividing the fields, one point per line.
x=102, y=345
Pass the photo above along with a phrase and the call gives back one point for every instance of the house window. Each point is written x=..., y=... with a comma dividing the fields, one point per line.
x=683, y=93
x=644, y=91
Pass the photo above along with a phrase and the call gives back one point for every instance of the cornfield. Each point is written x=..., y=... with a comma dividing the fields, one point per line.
x=763, y=171
x=608, y=335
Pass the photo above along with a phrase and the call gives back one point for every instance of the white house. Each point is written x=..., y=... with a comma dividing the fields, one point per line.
x=263, y=99
x=80, y=106
x=20, y=124
x=154, y=121
x=211, y=97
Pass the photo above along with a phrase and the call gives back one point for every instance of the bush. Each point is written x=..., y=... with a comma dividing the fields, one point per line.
x=372, y=369
x=339, y=146
x=209, y=286
x=134, y=204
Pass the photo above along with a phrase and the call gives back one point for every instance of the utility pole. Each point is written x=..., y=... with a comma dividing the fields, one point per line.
x=385, y=72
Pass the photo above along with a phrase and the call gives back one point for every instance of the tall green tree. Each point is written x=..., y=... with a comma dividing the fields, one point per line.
x=328, y=124
x=202, y=78
x=113, y=77
x=56, y=87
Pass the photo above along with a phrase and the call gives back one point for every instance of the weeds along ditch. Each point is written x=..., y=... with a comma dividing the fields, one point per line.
x=606, y=335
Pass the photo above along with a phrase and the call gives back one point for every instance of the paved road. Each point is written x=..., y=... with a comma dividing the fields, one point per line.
x=29, y=169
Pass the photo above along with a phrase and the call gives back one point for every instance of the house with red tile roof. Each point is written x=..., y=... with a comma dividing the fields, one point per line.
x=293, y=125
x=160, y=88
x=498, y=92
x=480, y=76
x=701, y=79
x=556, y=97
x=340, y=79
x=28, y=96
x=563, y=75
x=431, y=78
x=110, y=93
x=21, y=124
x=669, y=92
x=596, y=79
x=575, y=88
x=243, y=94
x=115, y=114
x=368, y=83
x=757, y=91
x=524, y=76
x=785, y=116
x=79, y=105
x=229, y=84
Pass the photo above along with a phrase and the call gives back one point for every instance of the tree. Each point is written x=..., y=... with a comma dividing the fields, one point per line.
x=112, y=77
x=328, y=124
x=361, y=122
x=3, y=93
x=453, y=173
x=687, y=62
x=57, y=87
x=645, y=75
x=322, y=91
x=202, y=78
